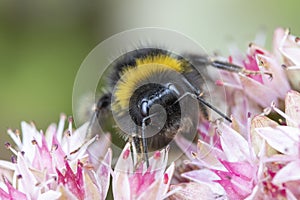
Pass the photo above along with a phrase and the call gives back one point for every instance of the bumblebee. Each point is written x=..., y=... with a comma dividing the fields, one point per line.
x=154, y=94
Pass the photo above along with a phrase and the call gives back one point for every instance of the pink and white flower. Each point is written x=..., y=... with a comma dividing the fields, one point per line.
x=54, y=165
x=272, y=89
x=288, y=47
x=132, y=180
x=261, y=165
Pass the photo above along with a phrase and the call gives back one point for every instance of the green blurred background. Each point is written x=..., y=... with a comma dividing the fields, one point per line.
x=42, y=43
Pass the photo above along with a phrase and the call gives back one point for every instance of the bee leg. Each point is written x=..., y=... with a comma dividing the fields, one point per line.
x=214, y=62
x=141, y=146
x=102, y=106
x=145, y=146
x=234, y=68
x=136, y=150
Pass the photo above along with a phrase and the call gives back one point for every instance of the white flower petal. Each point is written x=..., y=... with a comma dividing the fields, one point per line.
x=233, y=144
x=165, y=186
x=185, y=145
x=7, y=165
x=209, y=156
x=76, y=139
x=27, y=181
x=49, y=195
x=192, y=191
x=292, y=108
x=91, y=190
x=124, y=163
x=284, y=139
x=159, y=188
x=294, y=76
x=103, y=173
x=159, y=164
x=290, y=195
x=29, y=133
x=290, y=172
x=292, y=54
x=207, y=177
x=98, y=149
x=121, y=186
x=51, y=130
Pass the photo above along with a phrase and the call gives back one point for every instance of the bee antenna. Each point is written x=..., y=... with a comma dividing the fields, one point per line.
x=201, y=100
x=213, y=108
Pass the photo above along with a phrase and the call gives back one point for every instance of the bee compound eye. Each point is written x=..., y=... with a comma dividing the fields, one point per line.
x=144, y=108
x=173, y=88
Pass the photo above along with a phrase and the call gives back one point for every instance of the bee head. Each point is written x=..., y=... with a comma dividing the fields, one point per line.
x=155, y=99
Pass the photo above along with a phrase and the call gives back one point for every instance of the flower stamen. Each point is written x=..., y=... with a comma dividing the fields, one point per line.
x=8, y=146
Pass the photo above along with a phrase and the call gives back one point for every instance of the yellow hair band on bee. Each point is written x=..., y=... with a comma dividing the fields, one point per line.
x=131, y=76
x=166, y=60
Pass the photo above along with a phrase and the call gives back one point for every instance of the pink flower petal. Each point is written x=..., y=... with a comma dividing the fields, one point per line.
x=242, y=169
x=158, y=163
x=256, y=90
x=43, y=159
x=135, y=181
x=72, y=180
x=12, y=192
x=57, y=153
x=140, y=181
x=279, y=81
x=231, y=191
x=235, y=186
x=251, y=64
